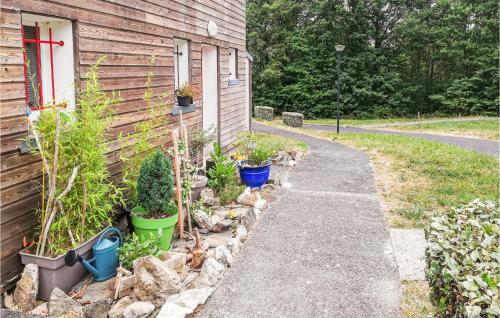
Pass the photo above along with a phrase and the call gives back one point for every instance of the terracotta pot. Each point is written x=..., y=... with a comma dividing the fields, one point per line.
x=53, y=272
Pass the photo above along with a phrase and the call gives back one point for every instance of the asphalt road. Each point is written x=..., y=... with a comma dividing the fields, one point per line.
x=320, y=250
x=489, y=147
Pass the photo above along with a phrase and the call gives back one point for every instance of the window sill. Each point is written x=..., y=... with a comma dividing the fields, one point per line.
x=185, y=109
x=233, y=82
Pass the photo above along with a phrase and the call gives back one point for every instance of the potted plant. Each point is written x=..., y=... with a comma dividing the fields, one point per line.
x=155, y=216
x=185, y=95
x=254, y=171
x=199, y=140
x=77, y=198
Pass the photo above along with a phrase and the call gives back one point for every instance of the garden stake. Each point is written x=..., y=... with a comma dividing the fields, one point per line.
x=175, y=136
x=186, y=159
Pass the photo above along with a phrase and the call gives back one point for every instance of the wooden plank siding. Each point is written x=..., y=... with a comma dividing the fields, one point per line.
x=127, y=32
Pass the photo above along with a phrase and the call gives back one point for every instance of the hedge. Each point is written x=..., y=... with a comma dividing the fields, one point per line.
x=463, y=261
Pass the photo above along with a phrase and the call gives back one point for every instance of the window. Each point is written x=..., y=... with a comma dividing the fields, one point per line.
x=49, y=65
x=181, y=62
x=233, y=63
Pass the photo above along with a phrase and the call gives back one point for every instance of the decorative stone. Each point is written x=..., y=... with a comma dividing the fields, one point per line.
x=222, y=225
x=97, y=291
x=249, y=218
x=248, y=197
x=175, y=261
x=154, y=281
x=42, y=309
x=210, y=273
x=27, y=288
x=97, y=310
x=8, y=301
x=241, y=233
x=201, y=219
x=263, y=112
x=274, y=178
x=212, y=241
x=223, y=256
x=293, y=119
x=138, y=309
x=268, y=188
x=208, y=198
x=260, y=204
x=234, y=246
x=116, y=311
x=180, y=305
x=62, y=304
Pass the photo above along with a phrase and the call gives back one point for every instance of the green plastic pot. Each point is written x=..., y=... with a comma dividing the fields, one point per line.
x=164, y=227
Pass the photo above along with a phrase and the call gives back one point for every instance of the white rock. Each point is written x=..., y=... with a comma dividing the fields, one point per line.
x=248, y=197
x=207, y=197
x=42, y=310
x=116, y=311
x=27, y=288
x=60, y=304
x=223, y=256
x=154, y=281
x=210, y=273
x=241, y=233
x=180, y=305
x=8, y=301
x=234, y=246
x=138, y=309
x=212, y=241
x=260, y=204
x=97, y=310
x=249, y=218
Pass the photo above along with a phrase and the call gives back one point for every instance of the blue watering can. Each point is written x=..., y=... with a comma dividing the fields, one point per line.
x=105, y=256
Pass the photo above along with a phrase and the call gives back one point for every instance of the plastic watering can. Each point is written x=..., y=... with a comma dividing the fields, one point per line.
x=104, y=256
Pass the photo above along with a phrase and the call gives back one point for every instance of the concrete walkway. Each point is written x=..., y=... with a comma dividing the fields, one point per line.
x=321, y=250
x=489, y=147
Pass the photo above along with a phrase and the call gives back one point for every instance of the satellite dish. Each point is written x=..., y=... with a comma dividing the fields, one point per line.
x=212, y=29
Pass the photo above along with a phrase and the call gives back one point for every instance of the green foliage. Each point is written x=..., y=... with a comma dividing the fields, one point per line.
x=199, y=139
x=155, y=185
x=255, y=152
x=222, y=172
x=146, y=137
x=185, y=90
x=463, y=261
x=401, y=57
x=134, y=248
x=82, y=144
x=231, y=191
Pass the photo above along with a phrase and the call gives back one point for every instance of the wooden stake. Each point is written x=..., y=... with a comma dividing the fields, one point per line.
x=198, y=257
x=186, y=158
x=175, y=138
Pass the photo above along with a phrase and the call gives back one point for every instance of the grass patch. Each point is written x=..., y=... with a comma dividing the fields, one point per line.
x=416, y=302
x=432, y=176
x=276, y=143
x=487, y=129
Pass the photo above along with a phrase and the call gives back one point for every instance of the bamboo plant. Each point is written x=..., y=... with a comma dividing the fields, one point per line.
x=77, y=198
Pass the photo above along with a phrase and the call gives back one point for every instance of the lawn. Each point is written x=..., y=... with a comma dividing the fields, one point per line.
x=421, y=178
x=487, y=129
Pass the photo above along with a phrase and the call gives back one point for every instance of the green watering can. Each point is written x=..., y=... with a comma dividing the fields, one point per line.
x=105, y=256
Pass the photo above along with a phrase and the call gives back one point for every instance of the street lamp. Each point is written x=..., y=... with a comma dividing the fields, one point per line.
x=339, y=48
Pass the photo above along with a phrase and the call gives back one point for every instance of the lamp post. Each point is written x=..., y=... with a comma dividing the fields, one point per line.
x=339, y=48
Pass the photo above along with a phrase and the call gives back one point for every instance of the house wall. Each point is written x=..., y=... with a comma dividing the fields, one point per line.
x=128, y=32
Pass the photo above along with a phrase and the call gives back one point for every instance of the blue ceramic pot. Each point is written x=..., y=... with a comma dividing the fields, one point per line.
x=254, y=176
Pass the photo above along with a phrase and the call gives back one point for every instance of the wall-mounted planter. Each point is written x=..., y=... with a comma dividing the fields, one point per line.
x=254, y=176
x=53, y=272
x=184, y=109
x=184, y=100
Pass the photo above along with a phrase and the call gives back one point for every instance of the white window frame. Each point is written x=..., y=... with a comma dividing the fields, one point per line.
x=63, y=57
x=181, y=71
x=233, y=63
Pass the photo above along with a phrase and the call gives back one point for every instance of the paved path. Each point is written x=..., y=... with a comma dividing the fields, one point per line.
x=481, y=145
x=321, y=250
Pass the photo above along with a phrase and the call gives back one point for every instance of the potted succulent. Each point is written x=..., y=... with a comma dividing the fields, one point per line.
x=155, y=216
x=254, y=171
x=77, y=198
x=184, y=95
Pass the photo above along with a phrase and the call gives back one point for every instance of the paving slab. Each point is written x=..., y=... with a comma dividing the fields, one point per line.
x=409, y=248
x=321, y=249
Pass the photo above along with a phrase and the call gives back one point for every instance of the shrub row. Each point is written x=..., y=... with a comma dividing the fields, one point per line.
x=463, y=261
